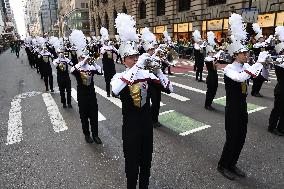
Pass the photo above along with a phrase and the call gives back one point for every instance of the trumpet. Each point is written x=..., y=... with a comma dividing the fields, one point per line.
x=153, y=63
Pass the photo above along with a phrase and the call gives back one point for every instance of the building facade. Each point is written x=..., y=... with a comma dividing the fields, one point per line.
x=48, y=16
x=181, y=17
x=74, y=14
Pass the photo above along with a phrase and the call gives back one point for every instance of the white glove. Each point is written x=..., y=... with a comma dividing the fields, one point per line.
x=263, y=56
x=141, y=62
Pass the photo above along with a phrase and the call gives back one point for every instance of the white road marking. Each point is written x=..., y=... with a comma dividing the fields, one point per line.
x=194, y=130
x=166, y=112
x=178, y=97
x=188, y=88
x=103, y=93
x=256, y=110
x=54, y=114
x=15, y=130
x=74, y=96
x=193, y=76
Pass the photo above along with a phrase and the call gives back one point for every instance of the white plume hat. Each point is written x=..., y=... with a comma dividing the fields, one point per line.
x=196, y=36
x=257, y=30
x=211, y=42
x=78, y=38
x=279, y=32
x=125, y=25
x=238, y=35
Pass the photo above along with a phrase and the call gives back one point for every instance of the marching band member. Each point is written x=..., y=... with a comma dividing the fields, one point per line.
x=45, y=67
x=257, y=48
x=63, y=79
x=84, y=72
x=236, y=116
x=86, y=96
x=133, y=88
x=155, y=89
x=108, y=51
x=212, y=77
x=198, y=55
x=276, y=119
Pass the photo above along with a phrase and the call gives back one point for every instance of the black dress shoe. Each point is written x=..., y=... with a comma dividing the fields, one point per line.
x=97, y=140
x=158, y=124
x=226, y=173
x=275, y=132
x=237, y=171
x=257, y=95
x=201, y=81
x=210, y=108
x=64, y=106
x=108, y=95
x=52, y=90
x=89, y=139
x=70, y=106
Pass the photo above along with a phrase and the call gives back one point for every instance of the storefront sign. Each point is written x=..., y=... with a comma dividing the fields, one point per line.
x=183, y=27
x=214, y=24
x=280, y=19
x=160, y=29
x=266, y=20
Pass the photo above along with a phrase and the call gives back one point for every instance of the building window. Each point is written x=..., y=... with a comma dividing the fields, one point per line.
x=87, y=6
x=183, y=5
x=106, y=22
x=83, y=5
x=216, y=2
x=160, y=4
x=142, y=10
x=124, y=10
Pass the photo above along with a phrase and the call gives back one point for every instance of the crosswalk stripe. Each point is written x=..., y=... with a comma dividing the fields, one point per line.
x=193, y=76
x=54, y=114
x=103, y=93
x=74, y=96
x=188, y=88
x=15, y=130
x=178, y=97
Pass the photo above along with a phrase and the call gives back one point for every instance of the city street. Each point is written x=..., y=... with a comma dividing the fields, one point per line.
x=42, y=144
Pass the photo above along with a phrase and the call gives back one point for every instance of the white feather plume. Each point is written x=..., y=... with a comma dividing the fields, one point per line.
x=196, y=36
x=40, y=41
x=125, y=25
x=167, y=38
x=104, y=33
x=78, y=38
x=256, y=28
x=279, y=31
x=147, y=35
x=211, y=38
x=237, y=28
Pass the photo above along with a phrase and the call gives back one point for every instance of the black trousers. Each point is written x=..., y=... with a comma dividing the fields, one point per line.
x=236, y=130
x=48, y=79
x=88, y=110
x=211, y=92
x=64, y=84
x=276, y=119
x=257, y=84
x=199, y=71
x=137, y=148
x=17, y=53
x=155, y=99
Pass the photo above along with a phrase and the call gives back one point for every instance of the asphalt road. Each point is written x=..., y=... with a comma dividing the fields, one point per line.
x=49, y=150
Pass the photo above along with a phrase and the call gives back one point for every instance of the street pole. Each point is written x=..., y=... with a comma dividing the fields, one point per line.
x=42, y=28
x=50, y=15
